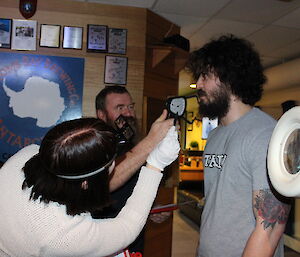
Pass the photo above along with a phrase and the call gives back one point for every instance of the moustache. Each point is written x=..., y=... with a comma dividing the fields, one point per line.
x=132, y=121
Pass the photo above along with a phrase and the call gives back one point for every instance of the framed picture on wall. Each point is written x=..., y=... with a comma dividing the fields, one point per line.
x=117, y=43
x=50, y=35
x=115, y=71
x=96, y=38
x=189, y=117
x=23, y=35
x=72, y=37
x=5, y=33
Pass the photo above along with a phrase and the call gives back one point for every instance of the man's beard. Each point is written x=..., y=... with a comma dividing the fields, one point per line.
x=217, y=104
x=133, y=123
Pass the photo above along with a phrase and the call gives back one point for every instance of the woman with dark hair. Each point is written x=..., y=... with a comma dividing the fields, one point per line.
x=48, y=192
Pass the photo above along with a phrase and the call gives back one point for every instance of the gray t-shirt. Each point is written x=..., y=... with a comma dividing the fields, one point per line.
x=234, y=165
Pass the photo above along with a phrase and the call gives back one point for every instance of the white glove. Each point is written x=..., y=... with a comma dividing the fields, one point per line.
x=166, y=151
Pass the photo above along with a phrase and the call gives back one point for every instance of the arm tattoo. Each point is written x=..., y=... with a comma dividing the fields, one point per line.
x=271, y=209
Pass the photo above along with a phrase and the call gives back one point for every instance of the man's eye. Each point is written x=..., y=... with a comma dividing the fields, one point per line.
x=131, y=107
x=120, y=108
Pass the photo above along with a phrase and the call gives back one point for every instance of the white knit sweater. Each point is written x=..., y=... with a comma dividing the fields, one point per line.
x=31, y=228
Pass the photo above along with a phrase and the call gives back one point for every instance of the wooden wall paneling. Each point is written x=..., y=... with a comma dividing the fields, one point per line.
x=10, y=4
x=8, y=12
x=160, y=82
x=72, y=13
x=92, y=9
x=160, y=235
x=157, y=105
x=93, y=81
x=160, y=88
x=158, y=28
x=165, y=68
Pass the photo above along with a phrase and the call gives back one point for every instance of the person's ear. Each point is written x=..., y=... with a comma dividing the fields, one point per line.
x=85, y=185
x=101, y=115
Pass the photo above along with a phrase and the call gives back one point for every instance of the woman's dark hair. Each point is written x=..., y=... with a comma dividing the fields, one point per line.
x=235, y=62
x=70, y=148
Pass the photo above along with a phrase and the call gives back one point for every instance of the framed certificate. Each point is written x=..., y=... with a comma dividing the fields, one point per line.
x=5, y=33
x=117, y=42
x=23, y=35
x=97, y=38
x=50, y=35
x=115, y=70
x=72, y=37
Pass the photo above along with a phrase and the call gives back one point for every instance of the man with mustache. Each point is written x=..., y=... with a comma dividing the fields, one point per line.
x=111, y=102
x=243, y=215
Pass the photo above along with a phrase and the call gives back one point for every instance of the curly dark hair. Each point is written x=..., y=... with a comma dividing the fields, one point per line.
x=235, y=62
x=71, y=148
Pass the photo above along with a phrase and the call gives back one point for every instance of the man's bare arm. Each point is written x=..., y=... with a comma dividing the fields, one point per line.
x=271, y=213
x=130, y=162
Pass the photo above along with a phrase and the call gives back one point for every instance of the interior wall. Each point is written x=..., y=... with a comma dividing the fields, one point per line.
x=71, y=13
x=160, y=81
x=283, y=84
x=185, y=79
x=272, y=99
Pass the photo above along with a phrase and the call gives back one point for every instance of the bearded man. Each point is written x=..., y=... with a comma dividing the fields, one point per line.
x=114, y=103
x=242, y=215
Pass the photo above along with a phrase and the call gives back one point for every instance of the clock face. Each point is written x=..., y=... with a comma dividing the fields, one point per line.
x=177, y=106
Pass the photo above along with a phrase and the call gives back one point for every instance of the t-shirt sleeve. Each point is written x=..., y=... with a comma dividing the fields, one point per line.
x=257, y=161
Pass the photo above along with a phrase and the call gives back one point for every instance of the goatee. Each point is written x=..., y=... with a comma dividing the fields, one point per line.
x=133, y=123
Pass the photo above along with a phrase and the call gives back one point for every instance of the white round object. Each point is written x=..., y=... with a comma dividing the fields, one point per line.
x=284, y=154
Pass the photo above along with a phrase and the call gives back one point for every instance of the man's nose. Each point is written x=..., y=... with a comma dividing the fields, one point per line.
x=199, y=84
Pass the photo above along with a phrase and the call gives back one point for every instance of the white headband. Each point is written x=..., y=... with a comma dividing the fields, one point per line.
x=92, y=173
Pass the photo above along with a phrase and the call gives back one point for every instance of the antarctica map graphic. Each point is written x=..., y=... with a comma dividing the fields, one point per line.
x=36, y=93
